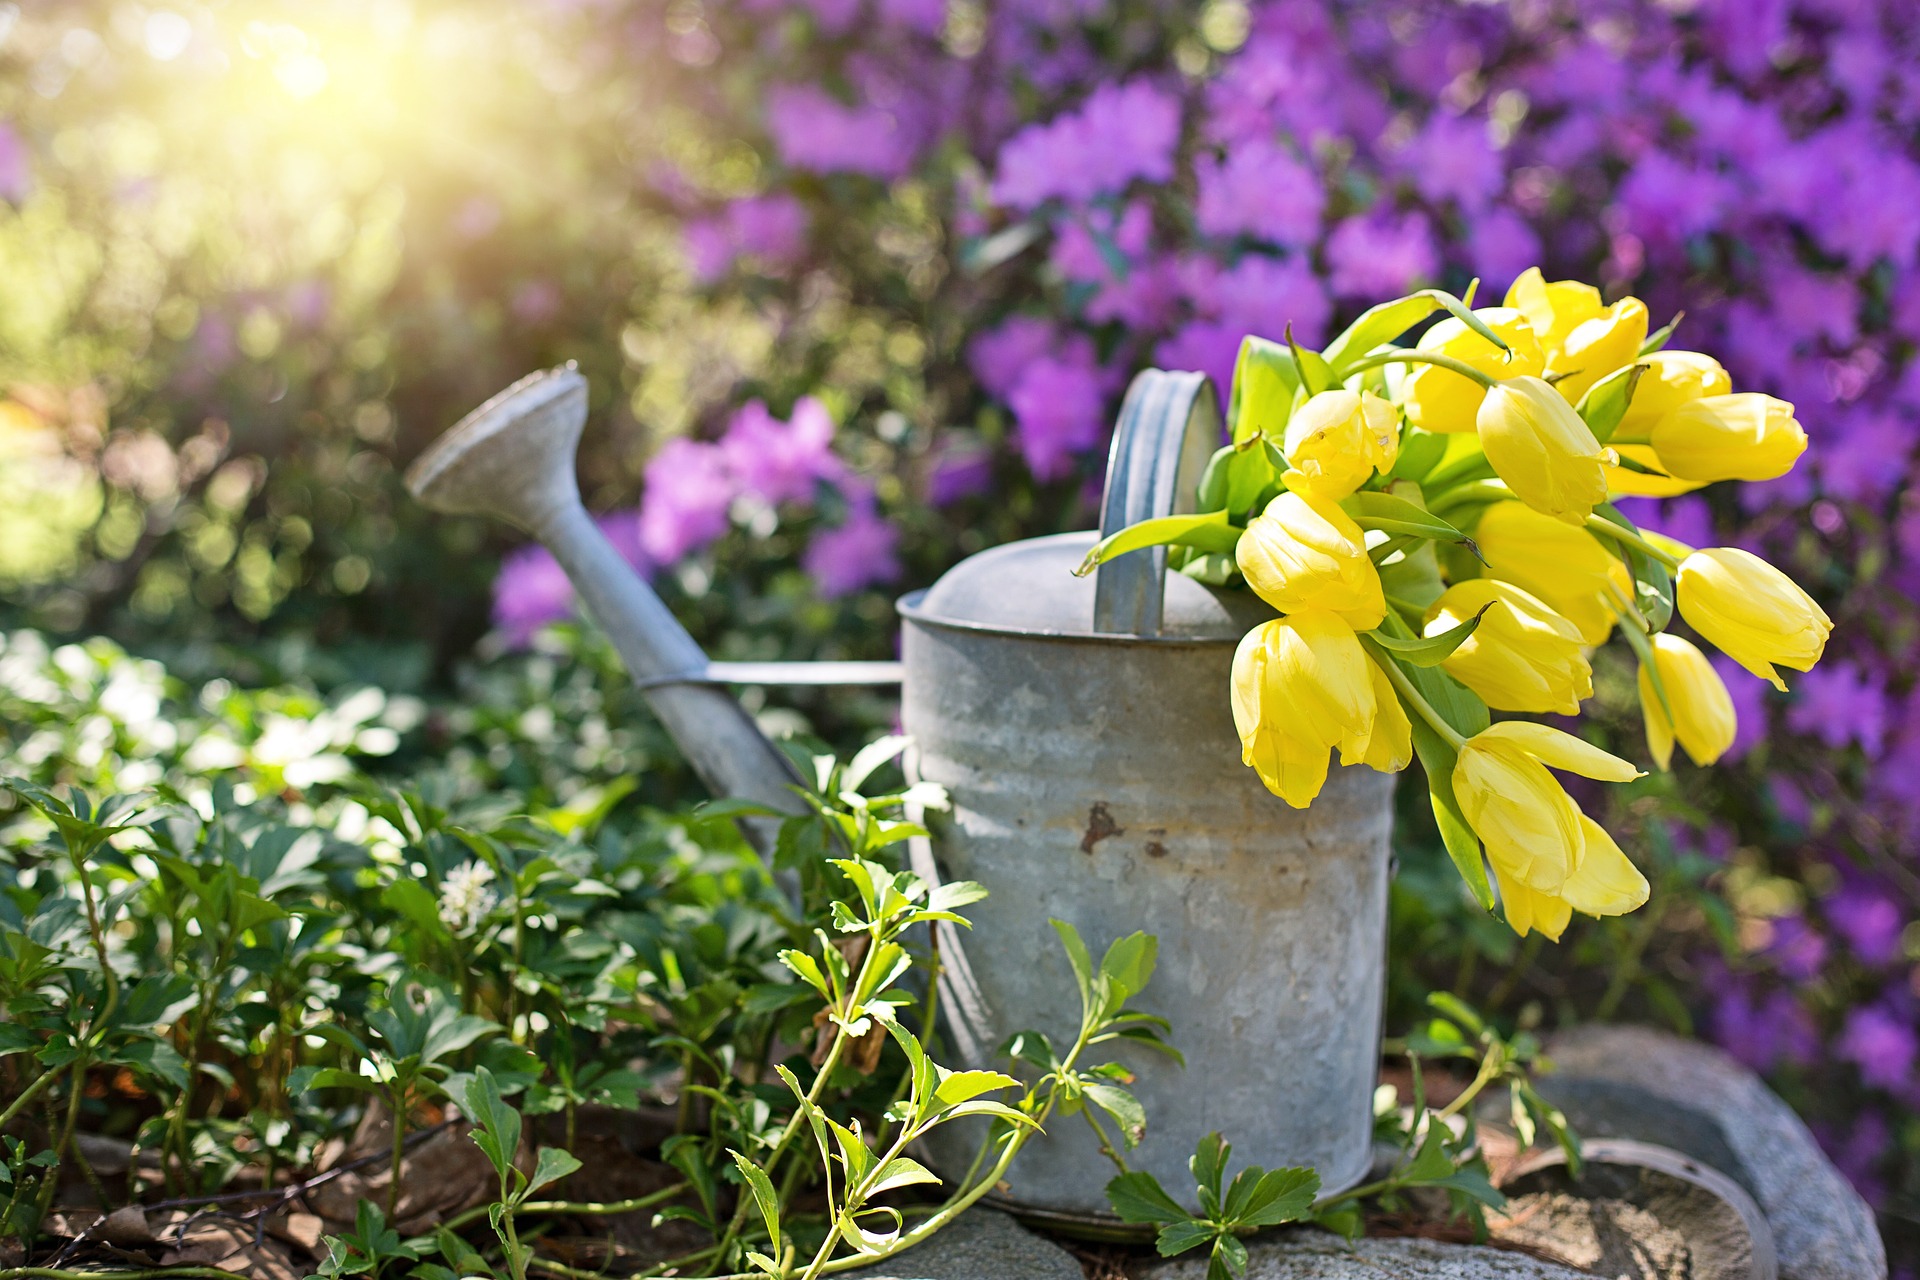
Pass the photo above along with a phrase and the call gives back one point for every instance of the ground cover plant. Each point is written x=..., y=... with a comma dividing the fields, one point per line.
x=857, y=286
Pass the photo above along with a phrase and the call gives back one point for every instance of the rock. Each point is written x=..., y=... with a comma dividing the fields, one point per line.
x=1634, y=1082
x=1315, y=1255
x=982, y=1245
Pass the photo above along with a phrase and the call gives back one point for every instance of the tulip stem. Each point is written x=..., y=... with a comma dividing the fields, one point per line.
x=1412, y=697
x=1608, y=529
x=1460, y=367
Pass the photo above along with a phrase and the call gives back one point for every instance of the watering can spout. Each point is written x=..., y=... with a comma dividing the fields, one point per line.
x=513, y=458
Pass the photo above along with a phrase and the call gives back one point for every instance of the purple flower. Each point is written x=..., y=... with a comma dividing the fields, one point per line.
x=1839, y=703
x=16, y=168
x=1379, y=254
x=998, y=356
x=1862, y=464
x=1666, y=202
x=812, y=130
x=688, y=492
x=1121, y=133
x=1259, y=189
x=530, y=591
x=1686, y=519
x=1749, y=694
x=1881, y=1044
x=1762, y=1034
x=1796, y=950
x=781, y=461
x=1500, y=245
x=772, y=228
x=963, y=469
x=860, y=552
x=1208, y=346
x=1453, y=159
x=924, y=16
x=1870, y=920
x=1059, y=411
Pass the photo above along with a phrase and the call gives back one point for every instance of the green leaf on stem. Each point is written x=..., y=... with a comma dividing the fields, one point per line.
x=1138, y=1197
x=764, y=1196
x=1125, y=1109
x=1431, y=651
x=1606, y=401
x=550, y=1165
x=1389, y=514
x=1264, y=380
x=1316, y=375
x=1208, y=531
x=1659, y=338
x=1381, y=324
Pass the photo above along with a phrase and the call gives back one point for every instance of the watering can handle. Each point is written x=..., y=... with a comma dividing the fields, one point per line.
x=1169, y=428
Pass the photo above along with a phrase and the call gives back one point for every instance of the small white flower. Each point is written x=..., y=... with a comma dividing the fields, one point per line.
x=465, y=900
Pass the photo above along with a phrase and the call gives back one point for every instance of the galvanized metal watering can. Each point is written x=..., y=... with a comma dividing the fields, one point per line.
x=1082, y=729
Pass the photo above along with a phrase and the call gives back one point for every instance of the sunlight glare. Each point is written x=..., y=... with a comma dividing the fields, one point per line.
x=168, y=35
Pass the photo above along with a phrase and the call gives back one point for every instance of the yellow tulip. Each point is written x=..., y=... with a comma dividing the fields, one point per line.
x=1703, y=717
x=1522, y=657
x=1542, y=449
x=1304, y=552
x=1729, y=437
x=1751, y=612
x=1548, y=857
x=1338, y=439
x=1442, y=400
x=1596, y=347
x=1673, y=378
x=1553, y=310
x=1651, y=483
x=1389, y=747
x=1561, y=565
x=1302, y=685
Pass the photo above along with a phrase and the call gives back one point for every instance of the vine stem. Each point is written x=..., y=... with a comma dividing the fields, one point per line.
x=1448, y=363
x=32, y=1091
x=151, y=1273
x=1608, y=529
x=576, y=1206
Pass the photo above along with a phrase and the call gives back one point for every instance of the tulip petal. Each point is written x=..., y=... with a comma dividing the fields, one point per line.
x=1606, y=883
x=1561, y=750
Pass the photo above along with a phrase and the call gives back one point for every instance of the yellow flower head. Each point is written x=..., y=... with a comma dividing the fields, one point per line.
x=1748, y=436
x=1597, y=347
x=1673, y=378
x=1751, y=612
x=1522, y=657
x=1703, y=717
x=1442, y=400
x=1553, y=310
x=1304, y=552
x=1338, y=439
x=1302, y=685
x=1561, y=565
x=1547, y=856
x=1542, y=449
x=1654, y=482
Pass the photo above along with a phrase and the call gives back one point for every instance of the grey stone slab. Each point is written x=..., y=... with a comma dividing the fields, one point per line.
x=982, y=1245
x=1696, y=1099
x=1314, y=1255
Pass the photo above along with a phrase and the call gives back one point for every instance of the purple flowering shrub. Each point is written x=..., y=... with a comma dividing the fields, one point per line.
x=859, y=284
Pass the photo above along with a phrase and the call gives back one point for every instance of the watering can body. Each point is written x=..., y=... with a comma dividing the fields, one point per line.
x=1082, y=730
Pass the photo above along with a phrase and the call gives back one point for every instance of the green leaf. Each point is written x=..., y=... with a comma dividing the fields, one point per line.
x=1431, y=1163
x=1178, y=1237
x=807, y=969
x=1474, y=1183
x=1250, y=476
x=987, y=1107
x=1606, y=401
x=1385, y=512
x=305, y=1079
x=955, y=893
x=1212, y=494
x=1420, y=453
x=1271, y=1197
x=1381, y=324
x=1658, y=339
x=1464, y=1014
x=1264, y=380
x=1652, y=584
x=1343, y=1219
x=1128, y=965
x=1208, y=531
x=1229, y=1261
x=901, y=1172
x=1316, y=375
x=1139, y=1198
x=496, y=1125
x=1431, y=651
x=964, y=1086
x=1209, y=1166
x=550, y=1165
x=1125, y=1109
x=1077, y=956
x=764, y=1196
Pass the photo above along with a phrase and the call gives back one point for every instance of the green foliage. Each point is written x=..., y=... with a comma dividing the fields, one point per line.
x=1256, y=1199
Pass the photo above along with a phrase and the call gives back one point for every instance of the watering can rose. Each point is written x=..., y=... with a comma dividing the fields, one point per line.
x=1499, y=436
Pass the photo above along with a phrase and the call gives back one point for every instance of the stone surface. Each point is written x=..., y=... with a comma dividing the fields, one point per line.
x=1314, y=1255
x=1698, y=1100
x=982, y=1245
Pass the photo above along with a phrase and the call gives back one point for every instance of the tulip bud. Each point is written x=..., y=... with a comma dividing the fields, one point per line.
x=1751, y=612
x=1596, y=347
x=1555, y=562
x=1522, y=657
x=1703, y=717
x=1338, y=439
x=1541, y=448
x=1729, y=437
x=1441, y=400
x=1304, y=552
x=1653, y=482
x=1548, y=858
x=1673, y=378
x=1301, y=686
x=1553, y=310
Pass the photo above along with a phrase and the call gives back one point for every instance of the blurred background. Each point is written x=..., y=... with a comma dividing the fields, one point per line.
x=858, y=284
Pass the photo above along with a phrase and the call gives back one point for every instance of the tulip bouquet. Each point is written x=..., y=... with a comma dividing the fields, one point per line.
x=1433, y=525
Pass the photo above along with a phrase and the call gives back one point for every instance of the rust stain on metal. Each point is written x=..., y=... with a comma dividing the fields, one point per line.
x=1155, y=849
x=1100, y=825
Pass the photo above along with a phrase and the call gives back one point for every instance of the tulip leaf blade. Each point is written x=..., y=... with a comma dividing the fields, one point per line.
x=1379, y=325
x=1606, y=401
x=1385, y=512
x=1264, y=380
x=1652, y=583
x=1659, y=338
x=1420, y=452
x=1208, y=531
x=1431, y=651
x=1316, y=375
x=1214, y=481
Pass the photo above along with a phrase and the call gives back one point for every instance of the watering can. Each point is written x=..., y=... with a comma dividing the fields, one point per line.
x=1082, y=730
